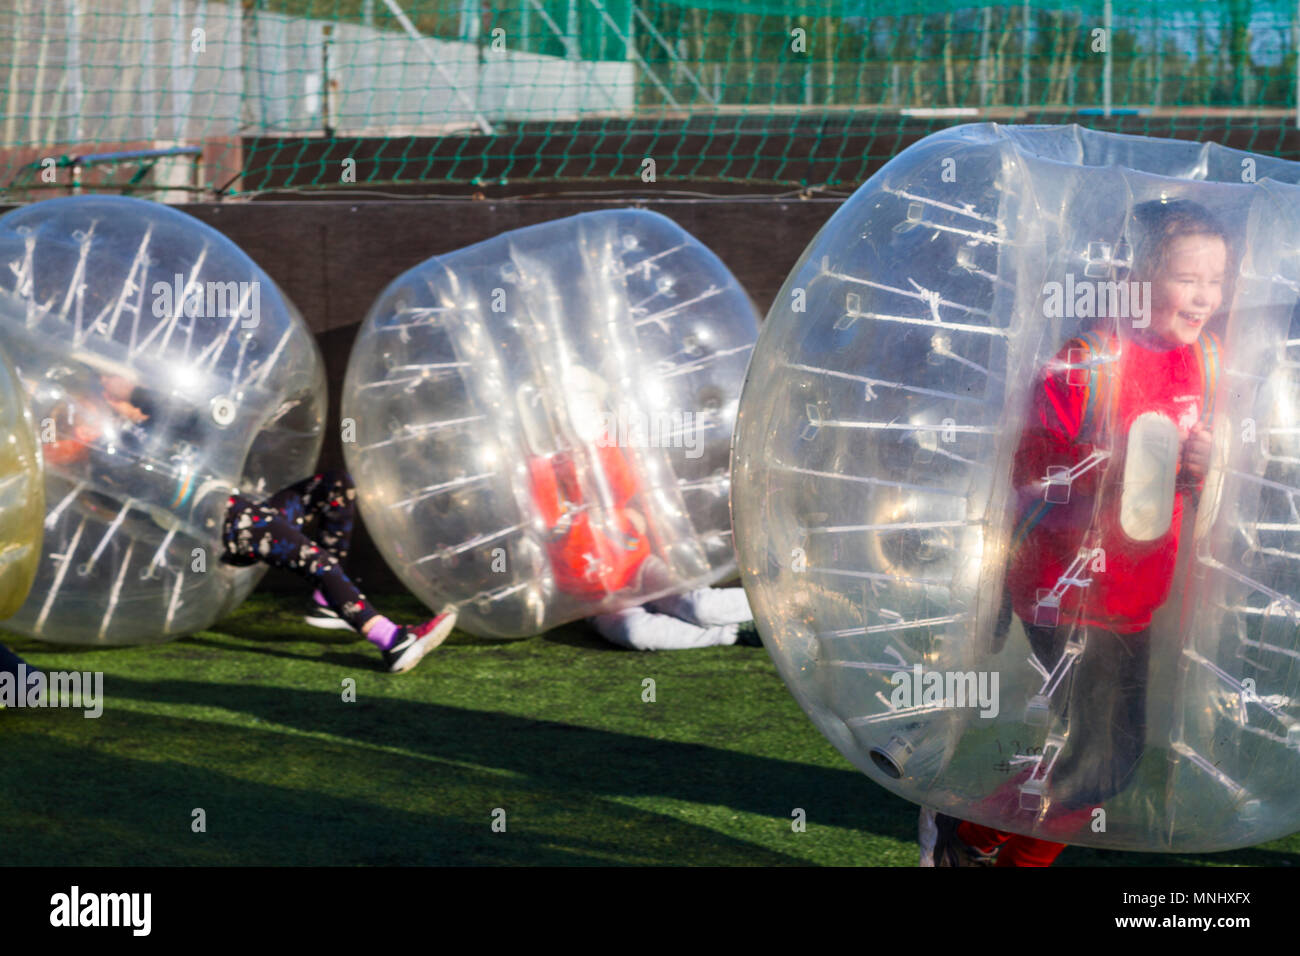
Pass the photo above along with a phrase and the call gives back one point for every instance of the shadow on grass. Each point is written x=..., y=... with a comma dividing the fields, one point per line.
x=554, y=764
x=352, y=653
x=120, y=790
x=72, y=804
x=552, y=755
x=584, y=635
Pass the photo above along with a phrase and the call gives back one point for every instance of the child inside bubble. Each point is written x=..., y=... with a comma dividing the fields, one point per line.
x=1117, y=442
x=305, y=528
x=598, y=548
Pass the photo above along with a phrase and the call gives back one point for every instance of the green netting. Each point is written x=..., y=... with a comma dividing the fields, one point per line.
x=170, y=97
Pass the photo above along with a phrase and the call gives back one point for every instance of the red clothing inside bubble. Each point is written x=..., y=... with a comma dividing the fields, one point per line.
x=589, y=558
x=1087, y=401
x=77, y=425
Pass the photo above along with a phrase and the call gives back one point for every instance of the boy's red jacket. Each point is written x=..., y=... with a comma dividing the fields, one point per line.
x=588, y=559
x=1088, y=399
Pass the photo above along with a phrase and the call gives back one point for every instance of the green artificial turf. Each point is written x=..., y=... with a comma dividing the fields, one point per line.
x=247, y=722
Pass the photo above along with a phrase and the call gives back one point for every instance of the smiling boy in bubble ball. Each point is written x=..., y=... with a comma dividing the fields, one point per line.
x=1132, y=398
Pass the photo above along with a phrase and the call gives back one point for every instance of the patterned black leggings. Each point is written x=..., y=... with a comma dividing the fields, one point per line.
x=273, y=532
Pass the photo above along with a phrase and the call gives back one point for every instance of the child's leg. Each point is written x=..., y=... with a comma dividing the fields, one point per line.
x=329, y=498
x=322, y=507
x=639, y=630
x=1016, y=850
x=1029, y=851
x=256, y=532
x=706, y=607
x=981, y=838
x=1105, y=720
x=1103, y=707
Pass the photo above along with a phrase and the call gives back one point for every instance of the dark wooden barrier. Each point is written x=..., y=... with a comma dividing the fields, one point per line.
x=739, y=152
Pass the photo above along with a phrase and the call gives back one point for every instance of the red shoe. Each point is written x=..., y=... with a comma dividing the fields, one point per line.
x=415, y=642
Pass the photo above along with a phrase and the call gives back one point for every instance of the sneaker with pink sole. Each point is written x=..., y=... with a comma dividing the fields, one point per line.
x=414, y=642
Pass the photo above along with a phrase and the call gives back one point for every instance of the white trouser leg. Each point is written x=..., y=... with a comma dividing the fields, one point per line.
x=707, y=607
x=639, y=630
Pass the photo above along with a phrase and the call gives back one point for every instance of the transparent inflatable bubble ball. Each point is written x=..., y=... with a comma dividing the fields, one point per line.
x=164, y=371
x=543, y=420
x=1017, y=485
